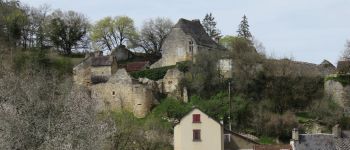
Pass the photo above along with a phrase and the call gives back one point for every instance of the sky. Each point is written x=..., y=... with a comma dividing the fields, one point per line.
x=304, y=30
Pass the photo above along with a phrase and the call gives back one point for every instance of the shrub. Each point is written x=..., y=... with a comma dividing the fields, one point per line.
x=183, y=66
x=345, y=123
x=342, y=78
x=62, y=65
x=172, y=108
x=153, y=74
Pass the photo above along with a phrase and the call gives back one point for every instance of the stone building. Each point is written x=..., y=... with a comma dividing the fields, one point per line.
x=101, y=68
x=185, y=40
x=121, y=53
x=122, y=92
x=343, y=67
x=170, y=84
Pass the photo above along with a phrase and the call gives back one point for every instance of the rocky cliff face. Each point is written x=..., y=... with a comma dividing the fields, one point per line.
x=339, y=93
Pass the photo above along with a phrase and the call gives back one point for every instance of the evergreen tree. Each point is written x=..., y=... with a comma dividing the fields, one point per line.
x=209, y=25
x=243, y=29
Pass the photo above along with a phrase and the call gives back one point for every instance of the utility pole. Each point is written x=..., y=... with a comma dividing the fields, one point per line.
x=229, y=99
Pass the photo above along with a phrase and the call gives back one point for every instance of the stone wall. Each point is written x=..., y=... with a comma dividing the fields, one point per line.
x=170, y=84
x=176, y=49
x=121, y=92
x=101, y=71
x=82, y=73
x=339, y=93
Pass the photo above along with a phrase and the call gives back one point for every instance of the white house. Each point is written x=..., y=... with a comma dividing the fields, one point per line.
x=197, y=131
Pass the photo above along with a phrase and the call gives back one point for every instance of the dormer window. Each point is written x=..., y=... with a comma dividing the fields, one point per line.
x=190, y=46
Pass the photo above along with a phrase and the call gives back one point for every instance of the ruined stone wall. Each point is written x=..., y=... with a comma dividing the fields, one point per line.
x=82, y=73
x=170, y=84
x=176, y=49
x=122, y=93
x=339, y=93
x=101, y=71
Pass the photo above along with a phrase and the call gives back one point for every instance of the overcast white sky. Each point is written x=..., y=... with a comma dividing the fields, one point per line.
x=307, y=30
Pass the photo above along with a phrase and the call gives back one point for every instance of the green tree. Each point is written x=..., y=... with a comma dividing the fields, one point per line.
x=226, y=41
x=67, y=29
x=12, y=21
x=243, y=29
x=209, y=25
x=109, y=33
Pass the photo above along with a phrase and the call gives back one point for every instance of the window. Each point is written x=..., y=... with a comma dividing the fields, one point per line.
x=196, y=135
x=196, y=118
x=190, y=46
x=113, y=93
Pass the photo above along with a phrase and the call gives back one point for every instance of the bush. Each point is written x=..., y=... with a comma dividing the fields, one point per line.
x=153, y=74
x=345, y=123
x=183, y=66
x=172, y=108
x=62, y=65
x=77, y=55
x=343, y=79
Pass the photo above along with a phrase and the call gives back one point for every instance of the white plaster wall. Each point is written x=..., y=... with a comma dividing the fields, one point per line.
x=211, y=133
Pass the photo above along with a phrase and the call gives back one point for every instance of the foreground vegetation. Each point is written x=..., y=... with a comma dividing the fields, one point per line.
x=40, y=108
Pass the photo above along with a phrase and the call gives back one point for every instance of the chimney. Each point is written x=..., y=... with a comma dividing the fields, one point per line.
x=222, y=122
x=98, y=53
x=336, y=131
x=196, y=21
x=217, y=39
x=295, y=134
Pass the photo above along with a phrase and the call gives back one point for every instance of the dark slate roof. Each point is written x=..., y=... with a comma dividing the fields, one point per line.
x=343, y=66
x=327, y=64
x=322, y=142
x=273, y=147
x=195, y=29
x=344, y=142
x=101, y=61
x=327, y=67
x=227, y=131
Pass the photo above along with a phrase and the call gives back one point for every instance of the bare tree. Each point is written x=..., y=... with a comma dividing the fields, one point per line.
x=346, y=53
x=153, y=34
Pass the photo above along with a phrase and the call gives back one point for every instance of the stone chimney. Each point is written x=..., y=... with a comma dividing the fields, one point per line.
x=336, y=131
x=217, y=39
x=295, y=134
x=222, y=122
x=98, y=53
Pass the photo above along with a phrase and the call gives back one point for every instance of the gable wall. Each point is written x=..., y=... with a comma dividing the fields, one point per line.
x=211, y=133
x=176, y=49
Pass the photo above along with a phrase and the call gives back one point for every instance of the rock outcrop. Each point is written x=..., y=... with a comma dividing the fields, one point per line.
x=338, y=92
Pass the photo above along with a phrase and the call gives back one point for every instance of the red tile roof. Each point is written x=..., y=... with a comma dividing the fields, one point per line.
x=273, y=147
x=136, y=66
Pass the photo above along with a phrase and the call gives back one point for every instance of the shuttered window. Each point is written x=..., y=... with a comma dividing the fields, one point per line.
x=196, y=118
x=196, y=135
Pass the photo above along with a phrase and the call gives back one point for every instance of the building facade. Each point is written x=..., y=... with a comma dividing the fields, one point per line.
x=197, y=131
x=185, y=40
